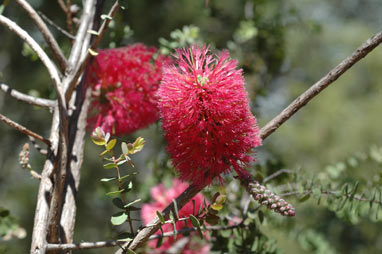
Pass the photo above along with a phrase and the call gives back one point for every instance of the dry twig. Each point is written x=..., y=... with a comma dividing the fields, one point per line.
x=23, y=129
x=52, y=43
x=45, y=103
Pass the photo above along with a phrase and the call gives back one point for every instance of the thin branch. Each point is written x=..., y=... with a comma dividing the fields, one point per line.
x=50, y=22
x=69, y=17
x=52, y=43
x=37, y=147
x=144, y=234
x=45, y=103
x=276, y=174
x=62, y=5
x=52, y=69
x=106, y=244
x=332, y=193
x=324, y=82
x=23, y=129
x=267, y=130
x=76, y=75
x=80, y=36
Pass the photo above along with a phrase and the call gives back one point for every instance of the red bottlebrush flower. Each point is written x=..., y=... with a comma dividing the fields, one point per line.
x=207, y=121
x=125, y=81
x=162, y=198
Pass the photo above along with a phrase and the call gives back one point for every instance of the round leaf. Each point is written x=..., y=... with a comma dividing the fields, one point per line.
x=118, y=218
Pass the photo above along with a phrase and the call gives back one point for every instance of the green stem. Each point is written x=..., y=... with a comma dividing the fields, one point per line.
x=123, y=197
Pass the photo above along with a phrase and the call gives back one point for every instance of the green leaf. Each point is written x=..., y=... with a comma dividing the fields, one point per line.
x=107, y=137
x=92, y=52
x=133, y=202
x=217, y=207
x=114, y=192
x=125, y=237
x=103, y=153
x=136, y=146
x=118, y=218
x=108, y=179
x=159, y=242
x=160, y=216
x=118, y=203
x=128, y=175
x=98, y=136
x=121, y=162
x=93, y=32
x=212, y=219
x=261, y=216
x=105, y=16
x=304, y=198
x=129, y=251
x=124, y=148
x=4, y=212
x=194, y=221
x=111, y=144
x=221, y=199
x=110, y=165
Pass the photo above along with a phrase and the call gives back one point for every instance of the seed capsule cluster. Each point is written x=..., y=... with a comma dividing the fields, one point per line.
x=266, y=198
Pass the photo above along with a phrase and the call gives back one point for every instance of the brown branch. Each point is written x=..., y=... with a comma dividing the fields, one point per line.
x=50, y=22
x=107, y=244
x=37, y=147
x=62, y=5
x=45, y=103
x=23, y=129
x=40, y=227
x=50, y=66
x=77, y=73
x=267, y=130
x=144, y=234
x=332, y=193
x=276, y=174
x=50, y=40
x=69, y=17
x=324, y=82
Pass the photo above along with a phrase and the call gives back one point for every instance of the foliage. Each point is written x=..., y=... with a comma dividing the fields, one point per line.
x=283, y=48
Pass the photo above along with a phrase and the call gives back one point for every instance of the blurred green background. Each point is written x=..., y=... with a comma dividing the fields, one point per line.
x=283, y=47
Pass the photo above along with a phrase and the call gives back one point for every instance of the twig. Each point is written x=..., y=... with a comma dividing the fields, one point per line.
x=324, y=82
x=268, y=129
x=45, y=103
x=50, y=22
x=334, y=193
x=52, y=43
x=23, y=129
x=37, y=147
x=62, y=5
x=276, y=174
x=146, y=232
x=105, y=244
x=69, y=16
x=101, y=32
x=80, y=36
x=52, y=69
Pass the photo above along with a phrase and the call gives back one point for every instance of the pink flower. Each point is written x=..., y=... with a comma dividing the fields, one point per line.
x=124, y=82
x=162, y=198
x=207, y=121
